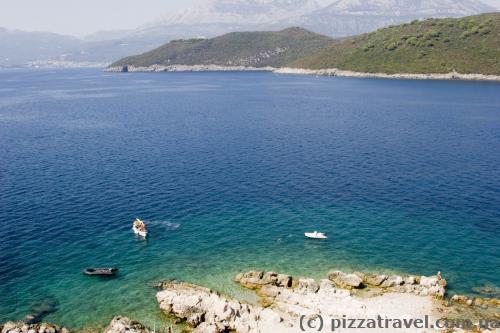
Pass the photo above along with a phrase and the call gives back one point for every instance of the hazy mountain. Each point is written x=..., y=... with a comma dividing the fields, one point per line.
x=340, y=18
x=256, y=49
x=350, y=17
x=100, y=36
x=21, y=47
x=210, y=18
x=407, y=7
x=252, y=12
x=17, y=47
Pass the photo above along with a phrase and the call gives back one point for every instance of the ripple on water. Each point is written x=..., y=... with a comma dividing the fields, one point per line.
x=229, y=170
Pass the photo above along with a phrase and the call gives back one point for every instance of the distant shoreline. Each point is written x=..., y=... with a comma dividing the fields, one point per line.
x=302, y=71
x=188, y=68
x=399, y=76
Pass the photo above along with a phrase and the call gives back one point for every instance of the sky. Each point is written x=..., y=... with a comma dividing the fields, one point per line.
x=82, y=17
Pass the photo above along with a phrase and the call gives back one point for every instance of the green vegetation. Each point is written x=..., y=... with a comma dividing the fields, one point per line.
x=257, y=49
x=465, y=45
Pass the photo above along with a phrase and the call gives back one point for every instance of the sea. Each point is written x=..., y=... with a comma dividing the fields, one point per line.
x=229, y=170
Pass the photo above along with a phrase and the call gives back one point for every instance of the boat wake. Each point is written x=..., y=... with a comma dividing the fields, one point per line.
x=164, y=224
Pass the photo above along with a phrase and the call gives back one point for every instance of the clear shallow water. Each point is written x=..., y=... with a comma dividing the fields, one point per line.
x=230, y=169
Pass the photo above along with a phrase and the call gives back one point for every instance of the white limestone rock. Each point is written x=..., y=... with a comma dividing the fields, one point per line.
x=125, y=325
x=22, y=327
x=344, y=280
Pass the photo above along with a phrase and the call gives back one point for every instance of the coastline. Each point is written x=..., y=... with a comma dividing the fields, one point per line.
x=290, y=304
x=301, y=71
x=400, y=76
x=287, y=304
x=187, y=68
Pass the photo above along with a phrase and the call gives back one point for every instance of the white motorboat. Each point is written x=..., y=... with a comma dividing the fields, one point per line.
x=316, y=235
x=140, y=228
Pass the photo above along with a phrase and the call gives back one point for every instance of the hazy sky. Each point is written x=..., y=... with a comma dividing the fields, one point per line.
x=80, y=17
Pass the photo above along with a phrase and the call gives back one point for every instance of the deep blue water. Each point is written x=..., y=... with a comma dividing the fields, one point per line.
x=230, y=169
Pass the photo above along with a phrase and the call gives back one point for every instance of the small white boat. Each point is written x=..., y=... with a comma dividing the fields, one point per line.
x=316, y=235
x=140, y=228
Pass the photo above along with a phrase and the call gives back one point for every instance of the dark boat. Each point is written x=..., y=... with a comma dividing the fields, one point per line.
x=101, y=271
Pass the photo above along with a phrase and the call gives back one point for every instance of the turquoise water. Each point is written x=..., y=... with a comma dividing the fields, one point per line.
x=229, y=170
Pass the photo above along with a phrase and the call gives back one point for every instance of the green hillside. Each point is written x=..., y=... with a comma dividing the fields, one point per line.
x=465, y=45
x=257, y=49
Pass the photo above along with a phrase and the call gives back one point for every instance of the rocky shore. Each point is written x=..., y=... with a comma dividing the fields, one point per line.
x=295, y=304
x=286, y=303
x=22, y=327
x=189, y=68
x=300, y=71
x=345, y=73
x=119, y=324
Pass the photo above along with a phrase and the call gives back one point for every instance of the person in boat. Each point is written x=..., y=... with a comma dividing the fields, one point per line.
x=140, y=225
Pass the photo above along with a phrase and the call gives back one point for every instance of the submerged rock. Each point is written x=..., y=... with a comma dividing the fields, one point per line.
x=489, y=290
x=40, y=309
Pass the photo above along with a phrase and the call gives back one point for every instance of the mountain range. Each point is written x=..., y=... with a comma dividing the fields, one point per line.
x=211, y=18
x=337, y=19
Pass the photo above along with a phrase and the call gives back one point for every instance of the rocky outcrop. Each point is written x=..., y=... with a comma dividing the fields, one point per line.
x=284, y=301
x=125, y=325
x=209, y=311
x=346, y=73
x=22, y=327
x=188, y=68
x=300, y=71
x=119, y=324
x=418, y=285
x=374, y=279
x=346, y=281
x=476, y=301
x=258, y=279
